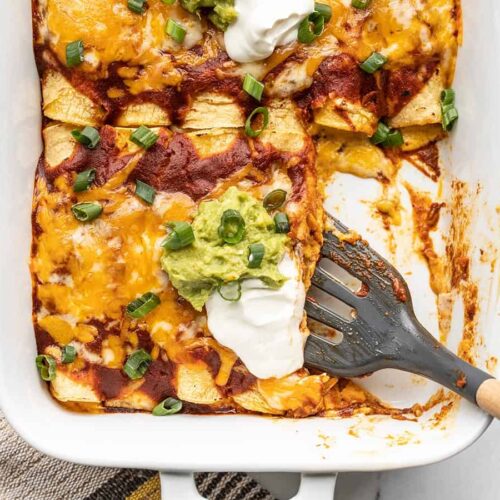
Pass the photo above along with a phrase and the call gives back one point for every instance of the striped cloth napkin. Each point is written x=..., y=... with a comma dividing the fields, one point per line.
x=26, y=474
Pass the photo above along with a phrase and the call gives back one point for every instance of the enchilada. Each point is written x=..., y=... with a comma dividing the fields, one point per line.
x=97, y=250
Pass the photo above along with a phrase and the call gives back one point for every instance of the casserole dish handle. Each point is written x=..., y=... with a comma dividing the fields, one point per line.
x=176, y=485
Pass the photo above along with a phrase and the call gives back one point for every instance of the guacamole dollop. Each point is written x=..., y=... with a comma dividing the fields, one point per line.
x=222, y=12
x=197, y=270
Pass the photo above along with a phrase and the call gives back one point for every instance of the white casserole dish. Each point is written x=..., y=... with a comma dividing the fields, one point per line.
x=187, y=443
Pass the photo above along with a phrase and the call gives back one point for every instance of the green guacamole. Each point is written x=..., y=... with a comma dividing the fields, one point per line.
x=222, y=12
x=209, y=262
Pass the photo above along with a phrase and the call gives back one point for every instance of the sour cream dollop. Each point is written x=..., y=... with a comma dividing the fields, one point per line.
x=263, y=327
x=263, y=25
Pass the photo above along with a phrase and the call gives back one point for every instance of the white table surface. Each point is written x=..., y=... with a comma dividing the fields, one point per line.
x=474, y=474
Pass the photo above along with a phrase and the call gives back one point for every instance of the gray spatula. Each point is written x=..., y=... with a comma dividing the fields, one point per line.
x=380, y=329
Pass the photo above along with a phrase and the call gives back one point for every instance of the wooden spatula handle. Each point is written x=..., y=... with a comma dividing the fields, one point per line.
x=488, y=397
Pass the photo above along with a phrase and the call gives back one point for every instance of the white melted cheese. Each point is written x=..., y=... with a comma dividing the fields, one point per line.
x=263, y=25
x=263, y=327
x=403, y=11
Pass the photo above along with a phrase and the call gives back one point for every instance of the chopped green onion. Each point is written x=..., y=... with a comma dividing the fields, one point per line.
x=74, y=53
x=46, y=367
x=394, y=139
x=311, y=27
x=89, y=136
x=256, y=253
x=249, y=130
x=168, y=2
x=447, y=97
x=360, y=4
x=181, y=235
x=274, y=199
x=144, y=137
x=169, y=406
x=137, y=364
x=373, y=63
x=136, y=6
x=323, y=9
x=175, y=30
x=450, y=116
x=84, y=180
x=145, y=192
x=232, y=227
x=143, y=305
x=86, y=212
x=230, y=291
x=253, y=87
x=281, y=223
x=381, y=133
x=387, y=137
x=448, y=110
x=68, y=354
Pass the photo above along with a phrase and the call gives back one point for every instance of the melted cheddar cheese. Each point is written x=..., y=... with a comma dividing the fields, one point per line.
x=93, y=271
x=111, y=32
x=404, y=30
x=351, y=154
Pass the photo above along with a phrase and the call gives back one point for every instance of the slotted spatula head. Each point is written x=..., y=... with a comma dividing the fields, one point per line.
x=379, y=329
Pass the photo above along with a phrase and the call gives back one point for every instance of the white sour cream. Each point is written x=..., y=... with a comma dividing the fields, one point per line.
x=263, y=25
x=263, y=327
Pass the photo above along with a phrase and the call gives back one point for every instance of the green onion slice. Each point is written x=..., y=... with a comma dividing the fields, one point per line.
x=394, y=139
x=144, y=137
x=253, y=87
x=84, y=180
x=169, y=406
x=256, y=253
x=137, y=364
x=232, y=227
x=450, y=116
x=230, y=291
x=68, y=354
x=74, y=53
x=46, y=367
x=373, y=63
x=86, y=212
x=447, y=97
x=181, y=235
x=136, y=6
x=88, y=136
x=145, y=192
x=249, y=130
x=381, y=133
x=281, y=223
x=175, y=30
x=274, y=199
x=143, y=305
x=168, y=2
x=324, y=10
x=311, y=27
x=448, y=110
x=387, y=137
x=360, y=4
